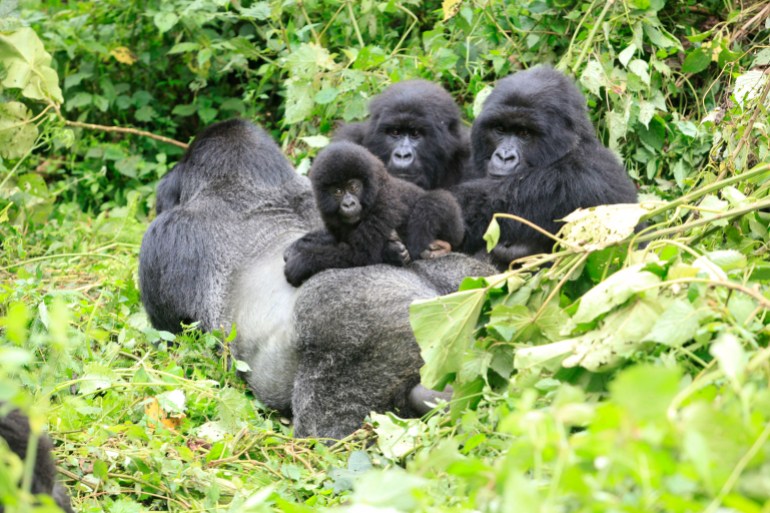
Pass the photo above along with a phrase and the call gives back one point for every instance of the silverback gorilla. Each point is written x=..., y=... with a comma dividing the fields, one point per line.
x=367, y=214
x=414, y=127
x=15, y=430
x=328, y=352
x=537, y=146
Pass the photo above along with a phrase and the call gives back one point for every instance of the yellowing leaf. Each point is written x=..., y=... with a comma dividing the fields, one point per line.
x=123, y=55
x=450, y=8
x=598, y=227
x=614, y=291
x=17, y=133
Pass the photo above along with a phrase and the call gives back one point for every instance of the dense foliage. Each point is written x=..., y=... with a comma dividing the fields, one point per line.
x=629, y=374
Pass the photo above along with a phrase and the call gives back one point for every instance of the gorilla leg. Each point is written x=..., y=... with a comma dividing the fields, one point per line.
x=435, y=216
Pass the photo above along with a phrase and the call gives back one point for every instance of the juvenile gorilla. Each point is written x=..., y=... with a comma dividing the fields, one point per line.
x=542, y=160
x=15, y=430
x=328, y=352
x=414, y=127
x=361, y=207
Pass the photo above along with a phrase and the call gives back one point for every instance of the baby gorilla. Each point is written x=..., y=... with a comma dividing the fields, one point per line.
x=367, y=213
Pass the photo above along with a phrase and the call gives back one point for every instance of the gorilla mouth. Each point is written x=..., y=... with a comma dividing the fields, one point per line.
x=350, y=219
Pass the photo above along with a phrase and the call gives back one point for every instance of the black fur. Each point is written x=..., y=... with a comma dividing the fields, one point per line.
x=15, y=430
x=169, y=189
x=535, y=142
x=415, y=129
x=382, y=204
x=328, y=352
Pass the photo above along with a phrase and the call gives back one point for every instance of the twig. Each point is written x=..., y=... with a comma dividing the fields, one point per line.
x=118, y=129
x=592, y=35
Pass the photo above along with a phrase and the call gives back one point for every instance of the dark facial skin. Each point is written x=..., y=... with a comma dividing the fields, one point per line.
x=405, y=142
x=508, y=143
x=348, y=196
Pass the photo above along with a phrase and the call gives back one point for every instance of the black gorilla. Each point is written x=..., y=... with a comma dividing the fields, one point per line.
x=366, y=213
x=535, y=142
x=15, y=430
x=328, y=352
x=415, y=129
x=167, y=193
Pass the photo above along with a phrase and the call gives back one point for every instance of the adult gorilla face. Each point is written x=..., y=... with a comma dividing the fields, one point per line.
x=531, y=120
x=415, y=129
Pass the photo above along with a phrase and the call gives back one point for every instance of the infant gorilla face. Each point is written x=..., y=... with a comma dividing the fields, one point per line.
x=348, y=197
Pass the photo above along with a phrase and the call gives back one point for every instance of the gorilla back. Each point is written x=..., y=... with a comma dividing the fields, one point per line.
x=328, y=352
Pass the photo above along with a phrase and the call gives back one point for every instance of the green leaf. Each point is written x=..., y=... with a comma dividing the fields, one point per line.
x=444, y=329
x=593, y=77
x=677, y=325
x=183, y=48
x=696, y=61
x=17, y=132
x=326, y=95
x=614, y=291
x=165, y=21
x=492, y=235
x=621, y=334
x=28, y=66
x=315, y=141
x=299, y=102
x=646, y=391
x=731, y=356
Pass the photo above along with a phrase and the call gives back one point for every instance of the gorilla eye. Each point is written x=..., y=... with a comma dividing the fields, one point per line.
x=353, y=186
x=414, y=133
x=395, y=132
x=523, y=133
x=500, y=129
x=337, y=191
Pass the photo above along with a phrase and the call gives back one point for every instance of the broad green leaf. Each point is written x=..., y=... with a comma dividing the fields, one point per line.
x=299, y=102
x=621, y=334
x=326, y=95
x=165, y=21
x=696, y=61
x=614, y=291
x=28, y=66
x=593, y=77
x=492, y=235
x=640, y=68
x=444, y=329
x=547, y=356
x=728, y=259
x=628, y=52
x=646, y=391
x=308, y=59
x=731, y=356
x=678, y=324
x=17, y=133
x=748, y=86
x=395, y=437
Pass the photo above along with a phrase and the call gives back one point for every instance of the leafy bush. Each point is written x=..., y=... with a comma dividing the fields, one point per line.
x=620, y=377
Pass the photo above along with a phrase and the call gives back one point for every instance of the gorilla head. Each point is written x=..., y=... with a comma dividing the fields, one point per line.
x=531, y=120
x=415, y=129
x=346, y=181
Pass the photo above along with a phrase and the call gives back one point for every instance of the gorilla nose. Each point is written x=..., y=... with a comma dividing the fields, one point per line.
x=504, y=161
x=348, y=203
x=402, y=158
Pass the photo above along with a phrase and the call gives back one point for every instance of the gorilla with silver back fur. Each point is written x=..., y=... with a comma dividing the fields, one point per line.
x=328, y=352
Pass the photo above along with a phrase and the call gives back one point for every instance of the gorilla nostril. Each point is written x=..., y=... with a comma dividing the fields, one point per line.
x=403, y=155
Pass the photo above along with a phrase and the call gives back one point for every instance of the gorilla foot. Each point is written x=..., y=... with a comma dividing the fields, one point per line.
x=436, y=249
x=422, y=400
